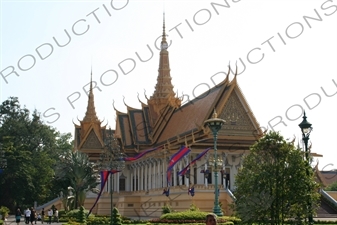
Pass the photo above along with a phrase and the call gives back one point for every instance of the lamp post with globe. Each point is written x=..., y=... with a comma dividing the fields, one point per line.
x=215, y=125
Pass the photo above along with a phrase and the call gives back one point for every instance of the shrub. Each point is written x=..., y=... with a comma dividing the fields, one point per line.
x=98, y=220
x=187, y=215
x=82, y=215
x=116, y=217
x=4, y=212
x=166, y=209
x=62, y=213
x=194, y=208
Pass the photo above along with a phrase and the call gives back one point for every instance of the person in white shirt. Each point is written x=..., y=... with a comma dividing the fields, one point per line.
x=56, y=216
x=27, y=216
x=50, y=214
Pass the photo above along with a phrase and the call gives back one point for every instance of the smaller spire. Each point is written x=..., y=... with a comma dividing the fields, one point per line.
x=90, y=115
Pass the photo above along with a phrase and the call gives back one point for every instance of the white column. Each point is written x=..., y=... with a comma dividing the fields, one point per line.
x=131, y=179
x=141, y=177
x=138, y=175
x=164, y=176
x=158, y=175
x=149, y=178
x=174, y=171
x=206, y=183
x=154, y=180
x=146, y=177
x=134, y=179
x=117, y=182
x=180, y=181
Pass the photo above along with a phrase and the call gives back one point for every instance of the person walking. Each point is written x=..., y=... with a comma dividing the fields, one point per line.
x=50, y=214
x=18, y=216
x=27, y=216
x=42, y=215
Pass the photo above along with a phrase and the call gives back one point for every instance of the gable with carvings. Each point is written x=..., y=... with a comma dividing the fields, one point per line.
x=92, y=141
x=235, y=115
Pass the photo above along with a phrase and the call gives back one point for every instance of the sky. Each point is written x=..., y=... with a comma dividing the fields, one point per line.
x=286, y=53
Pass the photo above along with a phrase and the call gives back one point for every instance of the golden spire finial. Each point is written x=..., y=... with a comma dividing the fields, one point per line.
x=164, y=44
x=164, y=33
x=91, y=80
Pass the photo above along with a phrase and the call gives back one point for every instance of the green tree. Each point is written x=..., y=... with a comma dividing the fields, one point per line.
x=273, y=184
x=75, y=168
x=31, y=149
x=116, y=217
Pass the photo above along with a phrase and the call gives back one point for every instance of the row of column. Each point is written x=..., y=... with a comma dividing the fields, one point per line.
x=148, y=174
x=152, y=173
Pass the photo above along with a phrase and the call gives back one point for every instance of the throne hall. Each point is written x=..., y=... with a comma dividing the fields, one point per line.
x=165, y=123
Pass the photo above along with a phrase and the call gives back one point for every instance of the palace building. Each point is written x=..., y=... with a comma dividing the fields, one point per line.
x=165, y=123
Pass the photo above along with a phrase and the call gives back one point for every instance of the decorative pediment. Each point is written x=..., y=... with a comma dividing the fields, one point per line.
x=92, y=141
x=235, y=115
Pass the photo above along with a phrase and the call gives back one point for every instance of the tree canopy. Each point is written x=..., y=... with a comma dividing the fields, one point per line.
x=275, y=183
x=31, y=150
x=76, y=170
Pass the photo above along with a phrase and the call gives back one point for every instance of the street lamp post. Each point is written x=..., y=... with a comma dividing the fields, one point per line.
x=306, y=130
x=112, y=159
x=215, y=125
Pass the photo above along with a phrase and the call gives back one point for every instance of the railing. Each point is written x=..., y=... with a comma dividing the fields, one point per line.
x=231, y=194
x=330, y=199
x=48, y=203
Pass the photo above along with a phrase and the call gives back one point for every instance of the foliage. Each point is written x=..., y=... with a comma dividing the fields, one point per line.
x=81, y=215
x=275, y=183
x=116, y=217
x=1, y=222
x=166, y=209
x=4, y=212
x=332, y=187
x=194, y=217
x=76, y=169
x=74, y=213
x=98, y=220
x=186, y=215
x=193, y=207
x=31, y=150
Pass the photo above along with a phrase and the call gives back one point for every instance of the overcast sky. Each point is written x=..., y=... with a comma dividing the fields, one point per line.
x=286, y=52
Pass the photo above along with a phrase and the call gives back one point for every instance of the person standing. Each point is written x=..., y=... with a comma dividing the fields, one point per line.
x=56, y=216
x=50, y=214
x=42, y=215
x=18, y=216
x=27, y=216
x=32, y=216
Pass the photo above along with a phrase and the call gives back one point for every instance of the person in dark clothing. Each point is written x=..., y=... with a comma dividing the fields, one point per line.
x=18, y=216
x=32, y=216
x=42, y=215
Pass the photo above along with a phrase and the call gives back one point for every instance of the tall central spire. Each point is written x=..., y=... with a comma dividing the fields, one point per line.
x=90, y=115
x=164, y=88
x=163, y=94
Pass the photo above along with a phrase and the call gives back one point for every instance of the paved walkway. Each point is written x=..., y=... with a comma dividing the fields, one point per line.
x=11, y=221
